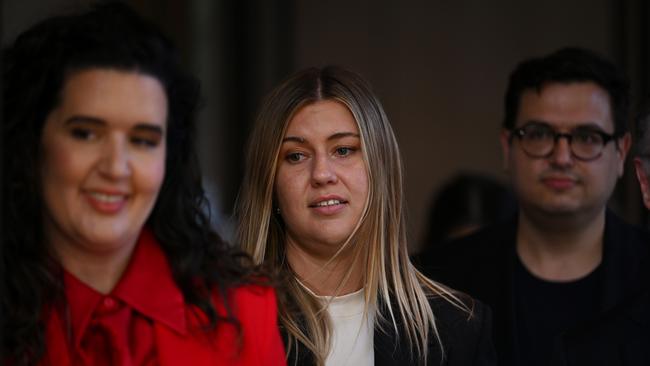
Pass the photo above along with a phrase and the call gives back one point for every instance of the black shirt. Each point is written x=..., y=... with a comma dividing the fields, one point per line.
x=545, y=309
x=483, y=266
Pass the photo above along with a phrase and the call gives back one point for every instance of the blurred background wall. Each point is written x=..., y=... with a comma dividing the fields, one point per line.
x=439, y=67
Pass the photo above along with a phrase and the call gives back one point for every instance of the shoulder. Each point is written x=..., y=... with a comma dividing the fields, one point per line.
x=475, y=264
x=462, y=318
x=617, y=230
x=250, y=300
x=626, y=254
x=255, y=310
x=246, y=304
x=625, y=240
x=253, y=292
x=501, y=234
x=492, y=240
x=622, y=333
x=465, y=330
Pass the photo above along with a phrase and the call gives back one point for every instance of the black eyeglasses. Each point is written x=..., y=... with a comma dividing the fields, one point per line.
x=538, y=140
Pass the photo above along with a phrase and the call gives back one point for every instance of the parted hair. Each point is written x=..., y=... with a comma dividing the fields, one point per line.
x=392, y=285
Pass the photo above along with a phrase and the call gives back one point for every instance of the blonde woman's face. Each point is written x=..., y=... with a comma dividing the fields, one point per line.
x=321, y=182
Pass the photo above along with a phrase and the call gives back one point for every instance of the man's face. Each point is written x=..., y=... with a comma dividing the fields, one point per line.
x=561, y=184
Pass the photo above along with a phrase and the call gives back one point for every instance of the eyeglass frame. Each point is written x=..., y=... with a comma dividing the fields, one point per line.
x=607, y=137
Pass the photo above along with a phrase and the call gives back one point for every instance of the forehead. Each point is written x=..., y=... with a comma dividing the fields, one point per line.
x=322, y=118
x=108, y=94
x=566, y=105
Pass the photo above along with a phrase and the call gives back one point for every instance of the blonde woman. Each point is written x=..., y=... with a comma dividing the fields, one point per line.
x=322, y=204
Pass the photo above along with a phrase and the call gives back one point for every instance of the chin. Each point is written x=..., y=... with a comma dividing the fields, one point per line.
x=333, y=240
x=110, y=239
x=561, y=209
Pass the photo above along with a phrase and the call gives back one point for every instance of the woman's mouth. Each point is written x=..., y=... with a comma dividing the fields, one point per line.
x=106, y=203
x=329, y=206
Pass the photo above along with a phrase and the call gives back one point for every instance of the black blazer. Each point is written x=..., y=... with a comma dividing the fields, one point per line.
x=466, y=340
x=482, y=265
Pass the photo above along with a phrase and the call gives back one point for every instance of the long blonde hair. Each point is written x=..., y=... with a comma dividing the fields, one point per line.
x=392, y=285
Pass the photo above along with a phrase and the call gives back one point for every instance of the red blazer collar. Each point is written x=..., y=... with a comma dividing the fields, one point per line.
x=147, y=286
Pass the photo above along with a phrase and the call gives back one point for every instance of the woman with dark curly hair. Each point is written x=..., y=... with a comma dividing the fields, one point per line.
x=108, y=254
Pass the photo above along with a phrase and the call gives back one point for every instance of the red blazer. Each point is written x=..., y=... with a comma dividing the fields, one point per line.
x=185, y=343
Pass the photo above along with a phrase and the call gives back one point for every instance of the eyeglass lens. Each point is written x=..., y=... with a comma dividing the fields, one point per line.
x=539, y=140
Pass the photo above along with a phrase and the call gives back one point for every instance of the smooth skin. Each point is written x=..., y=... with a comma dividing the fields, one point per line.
x=102, y=166
x=321, y=188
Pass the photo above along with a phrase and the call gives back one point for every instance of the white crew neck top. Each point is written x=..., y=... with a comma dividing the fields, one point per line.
x=352, y=332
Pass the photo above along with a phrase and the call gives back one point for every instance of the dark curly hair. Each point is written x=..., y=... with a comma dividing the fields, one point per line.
x=569, y=65
x=34, y=69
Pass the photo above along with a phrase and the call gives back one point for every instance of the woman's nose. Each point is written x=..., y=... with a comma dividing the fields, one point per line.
x=115, y=159
x=322, y=171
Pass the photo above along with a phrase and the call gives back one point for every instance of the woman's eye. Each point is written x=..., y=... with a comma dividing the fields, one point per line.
x=295, y=157
x=344, y=151
x=145, y=142
x=82, y=133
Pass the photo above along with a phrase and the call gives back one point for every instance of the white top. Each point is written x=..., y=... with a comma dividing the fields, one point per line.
x=352, y=333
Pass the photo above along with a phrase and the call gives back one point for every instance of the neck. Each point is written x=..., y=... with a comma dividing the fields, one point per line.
x=99, y=270
x=556, y=249
x=326, y=275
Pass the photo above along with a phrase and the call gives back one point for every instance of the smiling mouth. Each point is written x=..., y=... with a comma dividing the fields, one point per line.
x=107, y=203
x=328, y=203
x=107, y=198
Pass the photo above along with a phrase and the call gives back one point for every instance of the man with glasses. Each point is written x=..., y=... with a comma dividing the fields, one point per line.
x=565, y=259
x=622, y=337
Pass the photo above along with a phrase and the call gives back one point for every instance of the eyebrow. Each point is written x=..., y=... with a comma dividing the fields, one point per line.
x=335, y=136
x=80, y=119
x=85, y=120
x=590, y=125
x=340, y=135
x=149, y=128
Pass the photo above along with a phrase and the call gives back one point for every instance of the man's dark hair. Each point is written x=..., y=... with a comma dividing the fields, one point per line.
x=569, y=65
x=34, y=70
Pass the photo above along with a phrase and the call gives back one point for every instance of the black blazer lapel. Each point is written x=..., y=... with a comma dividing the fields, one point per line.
x=388, y=350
